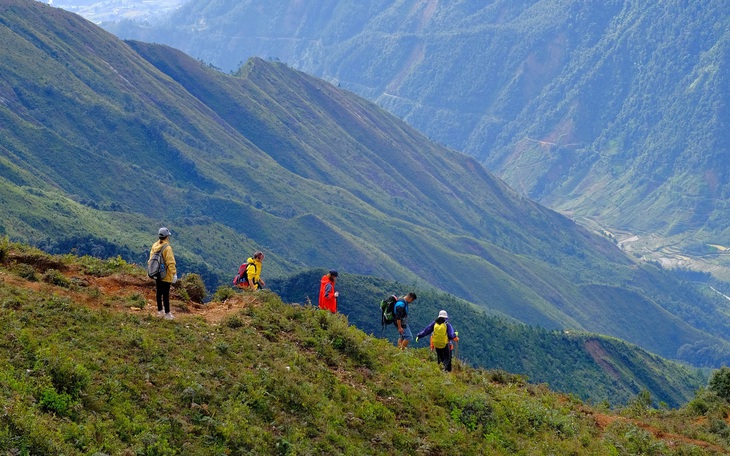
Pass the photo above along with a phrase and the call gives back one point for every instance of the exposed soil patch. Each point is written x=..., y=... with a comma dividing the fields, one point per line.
x=603, y=421
x=122, y=291
x=600, y=356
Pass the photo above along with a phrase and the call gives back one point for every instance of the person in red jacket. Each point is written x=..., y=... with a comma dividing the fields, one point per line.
x=327, y=294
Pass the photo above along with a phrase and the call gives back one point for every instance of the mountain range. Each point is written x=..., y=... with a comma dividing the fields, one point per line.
x=613, y=112
x=103, y=141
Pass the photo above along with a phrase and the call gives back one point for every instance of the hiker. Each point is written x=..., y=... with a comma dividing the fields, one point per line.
x=249, y=273
x=443, y=335
x=327, y=294
x=401, y=317
x=162, y=284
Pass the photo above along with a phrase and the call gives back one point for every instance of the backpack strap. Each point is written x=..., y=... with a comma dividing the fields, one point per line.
x=162, y=250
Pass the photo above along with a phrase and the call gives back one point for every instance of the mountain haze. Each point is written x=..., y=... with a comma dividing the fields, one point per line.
x=103, y=141
x=614, y=111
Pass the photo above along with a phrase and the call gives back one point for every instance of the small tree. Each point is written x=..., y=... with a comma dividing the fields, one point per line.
x=720, y=382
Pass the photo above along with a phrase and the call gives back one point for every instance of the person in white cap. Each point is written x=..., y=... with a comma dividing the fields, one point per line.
x=443, y=335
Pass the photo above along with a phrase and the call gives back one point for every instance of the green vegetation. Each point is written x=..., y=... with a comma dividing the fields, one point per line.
x=104, y=141
x=592, y=367
x=272, y=378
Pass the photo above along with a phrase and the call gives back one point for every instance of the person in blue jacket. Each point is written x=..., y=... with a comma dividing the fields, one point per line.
x=401, y=319
x=443, y=335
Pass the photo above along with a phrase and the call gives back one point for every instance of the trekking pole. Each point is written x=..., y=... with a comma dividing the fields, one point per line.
x=456, y=349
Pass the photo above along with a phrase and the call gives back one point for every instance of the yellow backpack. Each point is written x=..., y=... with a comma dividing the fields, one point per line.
x=440, y=338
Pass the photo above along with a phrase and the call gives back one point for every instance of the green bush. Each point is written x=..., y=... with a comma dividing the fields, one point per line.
x=4, y=248
x=65, y=375
x=136, y=300
x=54, y=277
x=234, y=322
x=25, y=271
x=223, y=293
x=103, y=268
x=720, y=382
x=194, y=286
x=53, y=401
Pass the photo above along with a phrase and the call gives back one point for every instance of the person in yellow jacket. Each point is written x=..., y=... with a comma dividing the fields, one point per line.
x=163, y=284
x=443, y=335
x=253, y=271
x=249, y=273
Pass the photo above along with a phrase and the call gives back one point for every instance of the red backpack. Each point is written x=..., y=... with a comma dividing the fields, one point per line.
x=241, y=279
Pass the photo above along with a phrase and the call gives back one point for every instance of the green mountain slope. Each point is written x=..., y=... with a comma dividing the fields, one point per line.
x=104, y=141
x=88, y=369
x=592, y=367
x=615, y=111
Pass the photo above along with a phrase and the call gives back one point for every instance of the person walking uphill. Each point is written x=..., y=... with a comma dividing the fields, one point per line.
x=443, y=334
x=327, y=294
x=162, y=284
x=401, y=319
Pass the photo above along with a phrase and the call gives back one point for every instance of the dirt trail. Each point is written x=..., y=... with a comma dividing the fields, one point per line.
x=125, y=286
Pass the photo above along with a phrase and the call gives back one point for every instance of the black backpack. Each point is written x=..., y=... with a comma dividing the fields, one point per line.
x=387, y=310
x=156, y=265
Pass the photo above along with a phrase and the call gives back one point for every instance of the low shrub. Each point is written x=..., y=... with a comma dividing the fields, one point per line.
x=25, y=271
x=54, y=277
x=4, y=248
x=136, y=300
x=223, y=293
x=720, y=382
x=194, y=286
x=103, y=268
x=53, y=401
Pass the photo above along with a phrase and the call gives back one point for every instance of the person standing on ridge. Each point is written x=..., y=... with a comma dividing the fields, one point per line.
x=163, y=284
x=401, y=319
x=327, y=294
x=443, y=335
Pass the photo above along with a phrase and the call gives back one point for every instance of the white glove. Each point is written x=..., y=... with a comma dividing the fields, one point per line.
x=174, y=279
x=337, y=294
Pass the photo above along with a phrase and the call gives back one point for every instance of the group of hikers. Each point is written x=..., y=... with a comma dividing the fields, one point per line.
x=161, y=267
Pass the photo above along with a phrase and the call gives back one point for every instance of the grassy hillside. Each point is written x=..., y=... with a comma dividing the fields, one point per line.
x=104, y=141
x=87, y=368
x=592, y=367
x=615, y=111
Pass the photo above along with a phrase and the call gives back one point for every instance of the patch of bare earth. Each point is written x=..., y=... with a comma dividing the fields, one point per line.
x=604, y=420
x=122, y=286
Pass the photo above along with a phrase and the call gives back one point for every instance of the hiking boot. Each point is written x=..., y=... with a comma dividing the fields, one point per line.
x=168, y=316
